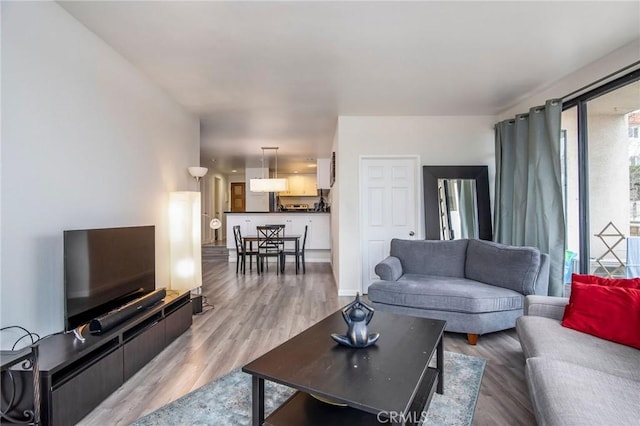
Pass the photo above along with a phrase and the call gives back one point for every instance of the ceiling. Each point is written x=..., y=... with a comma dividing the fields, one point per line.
x=280, y=73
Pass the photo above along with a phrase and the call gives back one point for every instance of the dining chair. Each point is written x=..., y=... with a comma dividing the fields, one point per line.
x=298, y=255
x=242, y=252
x=269, y=245
x=281, y=232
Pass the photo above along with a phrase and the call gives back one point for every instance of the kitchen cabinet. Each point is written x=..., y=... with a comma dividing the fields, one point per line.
x=248, y=223
x=319, y=232
x=301, y=185
x=318, y=235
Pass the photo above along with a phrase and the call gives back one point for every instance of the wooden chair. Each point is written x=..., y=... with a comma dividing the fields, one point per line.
x=299, y=255
x=270, y=244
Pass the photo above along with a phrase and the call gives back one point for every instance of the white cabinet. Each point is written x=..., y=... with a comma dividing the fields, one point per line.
x=248, y=223
x=301, y=186
x=318, y=235
x=233, y=220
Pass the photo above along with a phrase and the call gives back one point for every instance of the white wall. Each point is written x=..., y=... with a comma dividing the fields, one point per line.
x=438, y=140
x=256, y=201
x=611, y=63
x=209, y=206
x=209, y=197
x=334, y=199
x=87, y=142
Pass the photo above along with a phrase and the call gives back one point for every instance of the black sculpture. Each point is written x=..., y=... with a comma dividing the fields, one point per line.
x=357, y=315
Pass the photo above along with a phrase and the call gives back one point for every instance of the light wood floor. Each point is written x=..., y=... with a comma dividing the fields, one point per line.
x=253, y=314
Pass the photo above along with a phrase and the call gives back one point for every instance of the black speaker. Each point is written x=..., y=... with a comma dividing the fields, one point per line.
x=108, y=321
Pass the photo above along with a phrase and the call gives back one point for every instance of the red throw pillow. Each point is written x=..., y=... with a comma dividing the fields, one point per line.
x=611, y=313
x=611, y=282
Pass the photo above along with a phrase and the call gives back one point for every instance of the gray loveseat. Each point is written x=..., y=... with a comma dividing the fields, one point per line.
x=476, y=286
x=575, y=378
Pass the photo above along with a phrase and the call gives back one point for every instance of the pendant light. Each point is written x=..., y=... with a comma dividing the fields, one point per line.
x=269, y=184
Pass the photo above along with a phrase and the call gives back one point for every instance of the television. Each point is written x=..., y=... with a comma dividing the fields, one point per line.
x=105, y=269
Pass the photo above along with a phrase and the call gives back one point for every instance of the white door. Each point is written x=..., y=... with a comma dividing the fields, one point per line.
x=389, y=206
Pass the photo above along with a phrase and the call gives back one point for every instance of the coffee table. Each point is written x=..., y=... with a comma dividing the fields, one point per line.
x=390, y=381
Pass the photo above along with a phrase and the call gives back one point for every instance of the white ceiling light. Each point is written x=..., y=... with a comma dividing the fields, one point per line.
x=269, y=184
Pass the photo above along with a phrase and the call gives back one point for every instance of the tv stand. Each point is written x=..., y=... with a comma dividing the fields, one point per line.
x=75, y=376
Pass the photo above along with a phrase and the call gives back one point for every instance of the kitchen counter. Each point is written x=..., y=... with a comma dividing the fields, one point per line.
x=318, y=225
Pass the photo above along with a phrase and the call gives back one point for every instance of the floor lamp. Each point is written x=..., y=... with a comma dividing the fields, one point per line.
x=184, y=237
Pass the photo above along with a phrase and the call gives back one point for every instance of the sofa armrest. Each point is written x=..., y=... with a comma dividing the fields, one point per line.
x=390, y=269
x=545, y=306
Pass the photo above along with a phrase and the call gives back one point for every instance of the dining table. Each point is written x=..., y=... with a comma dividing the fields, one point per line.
x=248, y=241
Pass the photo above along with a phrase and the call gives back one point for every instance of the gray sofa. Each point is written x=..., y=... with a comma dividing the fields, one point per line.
x=476, y=286
x=575, y=378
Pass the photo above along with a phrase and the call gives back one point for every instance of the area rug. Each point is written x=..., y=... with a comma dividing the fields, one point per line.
x=227, y=400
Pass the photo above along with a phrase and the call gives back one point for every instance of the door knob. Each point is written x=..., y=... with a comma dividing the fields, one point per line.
x=411, y=233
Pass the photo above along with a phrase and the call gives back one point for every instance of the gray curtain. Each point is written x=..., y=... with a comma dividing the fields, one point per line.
x=529, y=209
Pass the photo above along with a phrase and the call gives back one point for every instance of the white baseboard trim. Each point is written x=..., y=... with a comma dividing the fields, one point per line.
x=313, y=260
x=347, y=292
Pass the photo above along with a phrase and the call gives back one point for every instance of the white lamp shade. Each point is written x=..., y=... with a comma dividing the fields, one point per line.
x=184, y=240
x=198, y=172
x=268, y=185
x=215, y=224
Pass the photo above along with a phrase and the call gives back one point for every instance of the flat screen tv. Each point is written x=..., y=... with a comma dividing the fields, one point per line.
x=105, y=269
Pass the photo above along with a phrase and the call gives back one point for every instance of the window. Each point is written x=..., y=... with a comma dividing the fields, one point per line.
x=601, y=171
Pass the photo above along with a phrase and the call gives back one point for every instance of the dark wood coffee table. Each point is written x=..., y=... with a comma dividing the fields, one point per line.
x=390, y=380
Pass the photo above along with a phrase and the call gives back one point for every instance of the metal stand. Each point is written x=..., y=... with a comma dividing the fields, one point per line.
x=29, y=359
x=620, y=238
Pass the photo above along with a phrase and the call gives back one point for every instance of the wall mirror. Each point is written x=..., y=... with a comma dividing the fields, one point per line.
x=456, y=202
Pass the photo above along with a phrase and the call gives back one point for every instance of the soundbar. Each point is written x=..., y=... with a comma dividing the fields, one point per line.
x=108, y=321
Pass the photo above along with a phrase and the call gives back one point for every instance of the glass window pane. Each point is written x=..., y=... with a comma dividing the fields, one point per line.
x=569, y=159
x=614, y=182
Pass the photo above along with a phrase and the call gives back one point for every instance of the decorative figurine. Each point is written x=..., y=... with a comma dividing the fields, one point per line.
x=357, y=315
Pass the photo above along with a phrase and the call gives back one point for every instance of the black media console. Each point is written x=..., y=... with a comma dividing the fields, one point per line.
x=75, y=376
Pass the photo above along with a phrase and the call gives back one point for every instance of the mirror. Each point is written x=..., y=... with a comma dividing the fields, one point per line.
x=457, y=202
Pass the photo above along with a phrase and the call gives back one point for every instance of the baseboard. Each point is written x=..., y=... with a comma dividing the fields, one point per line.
x=347, y=292
x=314, y=260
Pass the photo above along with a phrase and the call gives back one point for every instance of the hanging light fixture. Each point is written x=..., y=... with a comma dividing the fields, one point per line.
x=269, y=184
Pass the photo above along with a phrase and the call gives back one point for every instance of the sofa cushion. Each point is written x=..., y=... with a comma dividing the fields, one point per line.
x=608, y=312
x=510, y=267
x=445, y=293
x=610, y=282
x=545, y=337
x=568, y=394
x=431, y=257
